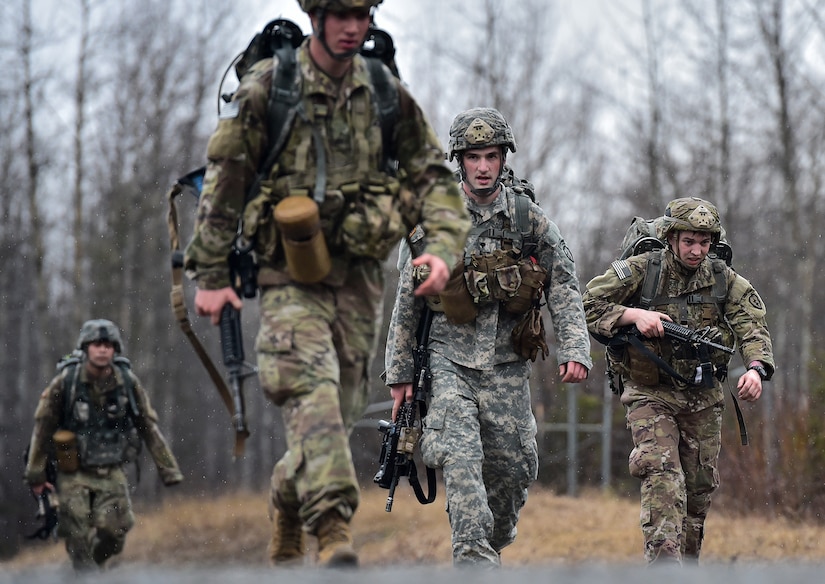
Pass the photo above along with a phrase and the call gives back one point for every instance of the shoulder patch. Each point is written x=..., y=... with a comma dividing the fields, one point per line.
x=622, y=269
x=229, y=111
x=567, y=251
x=755, y=301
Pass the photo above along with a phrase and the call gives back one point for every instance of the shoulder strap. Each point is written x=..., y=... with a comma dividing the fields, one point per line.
x=523, y=215
x=651, y=283
x=69, y=389
x=284, y=101
x=386, y=104
x=125, y=367
x=521, y=229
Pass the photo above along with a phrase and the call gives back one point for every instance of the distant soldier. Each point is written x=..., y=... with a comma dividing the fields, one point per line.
x=94, y=416
x=486, y=330
x=675, y=414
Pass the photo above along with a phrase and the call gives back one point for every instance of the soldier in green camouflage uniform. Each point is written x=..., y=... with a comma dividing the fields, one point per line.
x=317, y=340
x=676, y=427
x=99, y=418
x=480, y=429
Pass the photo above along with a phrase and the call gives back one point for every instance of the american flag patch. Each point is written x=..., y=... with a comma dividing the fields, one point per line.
x=622, y=269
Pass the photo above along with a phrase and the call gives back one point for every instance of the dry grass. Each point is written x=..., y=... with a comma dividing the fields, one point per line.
x=234, y=529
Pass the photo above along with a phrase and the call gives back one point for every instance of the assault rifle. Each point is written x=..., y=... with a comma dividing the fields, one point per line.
x=47, y=502
x=401, y=436
x=243, y=276
x=700, y=337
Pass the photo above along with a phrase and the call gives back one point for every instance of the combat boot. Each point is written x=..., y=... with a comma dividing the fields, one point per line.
x=335, y=542
x=286, y=548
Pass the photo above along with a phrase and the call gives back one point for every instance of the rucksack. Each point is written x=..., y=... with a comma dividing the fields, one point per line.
x=280, y=38
x=642, y=236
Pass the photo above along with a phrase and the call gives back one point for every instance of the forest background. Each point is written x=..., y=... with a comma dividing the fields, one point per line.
x=617, y=108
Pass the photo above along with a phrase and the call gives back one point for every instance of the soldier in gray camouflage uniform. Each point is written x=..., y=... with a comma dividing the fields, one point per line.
x=480, y=428
x=95, y=418
x=676, y=427
x=318, y=335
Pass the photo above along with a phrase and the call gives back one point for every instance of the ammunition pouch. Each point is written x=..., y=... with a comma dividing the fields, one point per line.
x=640, y=368
x=65, y=444
x=528, y=336
x=528, y=292
x=372, y=224
x=103, y=447
x=456, y=302
x=503, y=276
x=305, y=249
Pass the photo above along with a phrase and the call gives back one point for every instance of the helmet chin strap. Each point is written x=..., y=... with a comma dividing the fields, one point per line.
x=345, y=56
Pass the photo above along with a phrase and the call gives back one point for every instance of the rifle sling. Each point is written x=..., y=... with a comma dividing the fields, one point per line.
x=181, y=313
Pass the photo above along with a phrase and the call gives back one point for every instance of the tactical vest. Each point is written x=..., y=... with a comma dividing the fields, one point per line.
x=106, y=436
x=684, y=358
x=509, y=275
x=358, y=193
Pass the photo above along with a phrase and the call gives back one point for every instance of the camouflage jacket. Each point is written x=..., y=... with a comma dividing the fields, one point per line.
x=486, y=341
x=740, y=318
x=48, y=418
x=343, y=114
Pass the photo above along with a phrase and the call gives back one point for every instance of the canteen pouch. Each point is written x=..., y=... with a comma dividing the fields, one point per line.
x=305, y=249
x=528, y=336
x=456, y=301
x=65, y=446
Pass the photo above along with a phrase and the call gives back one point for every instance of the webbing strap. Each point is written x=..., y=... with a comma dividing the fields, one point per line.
x=181, y=313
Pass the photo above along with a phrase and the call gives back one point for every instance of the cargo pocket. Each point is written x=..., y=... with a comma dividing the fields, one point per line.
x=274, y=345
x=433, y=448
x=644, y=459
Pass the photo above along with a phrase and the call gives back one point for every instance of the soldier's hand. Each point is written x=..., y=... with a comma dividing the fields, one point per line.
x=400, y=392
x=211, y=302
x=40, y=487
x=649, y=322
x=572, y=372
x=439, y=274
x=750, y=386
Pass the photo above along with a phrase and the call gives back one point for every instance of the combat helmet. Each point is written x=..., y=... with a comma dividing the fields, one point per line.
x=476, y=128
x=99, y=329
x=479, y=127
x=337, y=5
x=691, y=214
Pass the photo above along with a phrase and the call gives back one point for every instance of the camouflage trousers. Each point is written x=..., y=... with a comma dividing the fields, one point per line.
x=314, y=349
x=675, y=455
x=480, y=430
x=94, y=516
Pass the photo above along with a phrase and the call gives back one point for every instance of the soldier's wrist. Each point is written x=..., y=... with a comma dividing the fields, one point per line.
x=759, y=368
